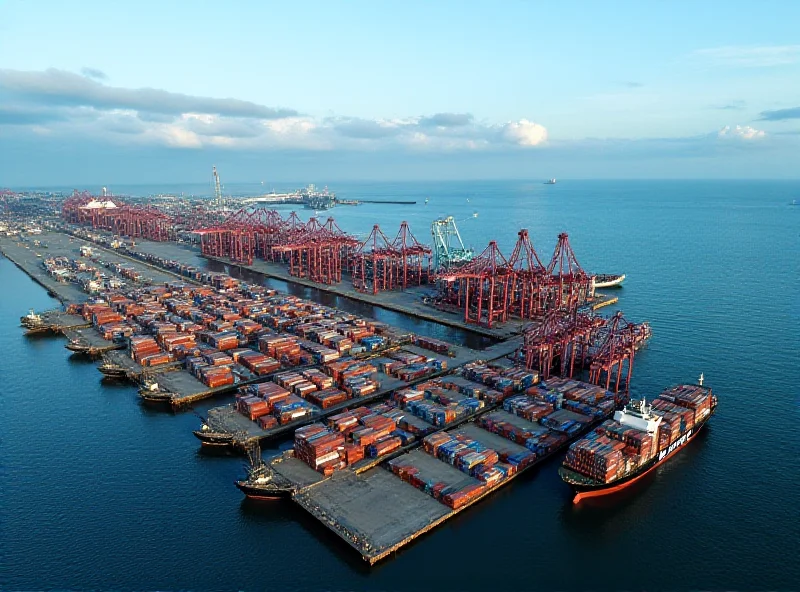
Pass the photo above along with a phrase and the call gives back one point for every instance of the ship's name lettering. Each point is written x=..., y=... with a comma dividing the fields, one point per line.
x=679, y=442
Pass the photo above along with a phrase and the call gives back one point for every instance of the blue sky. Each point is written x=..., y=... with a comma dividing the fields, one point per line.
x=113, y=92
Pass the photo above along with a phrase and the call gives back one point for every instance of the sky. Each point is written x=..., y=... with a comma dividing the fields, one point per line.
x=156, y=92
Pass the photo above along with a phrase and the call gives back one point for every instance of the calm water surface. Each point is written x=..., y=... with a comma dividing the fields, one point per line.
x=98, y=492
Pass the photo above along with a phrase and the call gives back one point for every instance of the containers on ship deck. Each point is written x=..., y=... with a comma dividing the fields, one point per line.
x=596, y=456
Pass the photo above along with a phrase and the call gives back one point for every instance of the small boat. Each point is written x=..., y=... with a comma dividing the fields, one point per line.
x=151, y=394
x=550, y=182
x=608, y=280
x=210, y=437
x=112, y=370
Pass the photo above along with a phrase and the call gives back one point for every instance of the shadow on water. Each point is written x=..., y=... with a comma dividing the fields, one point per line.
x=117, y=384
x=43, y=336
x=155, y=408
x=80, y=359
x=318, y=531
x=208, y=452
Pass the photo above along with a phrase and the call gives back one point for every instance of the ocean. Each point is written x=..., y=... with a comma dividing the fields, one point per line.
x=98, y=492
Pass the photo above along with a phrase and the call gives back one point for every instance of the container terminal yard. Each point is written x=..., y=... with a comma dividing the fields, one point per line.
x=394, y=431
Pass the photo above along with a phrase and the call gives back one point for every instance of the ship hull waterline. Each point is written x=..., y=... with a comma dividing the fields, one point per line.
x=215, y=439
x=263, y=494
x=588, y=491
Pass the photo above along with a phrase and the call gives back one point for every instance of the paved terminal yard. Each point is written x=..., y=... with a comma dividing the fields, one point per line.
x=374, y=512
x=291, y=471
x=26, y=256
x=89, y=341
x=372, y=509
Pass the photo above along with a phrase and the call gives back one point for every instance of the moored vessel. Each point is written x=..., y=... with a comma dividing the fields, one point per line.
x=149, y=394
x=639, y=438
x=112, y=370
x=211, y=437
x=260, y=482
x=608, y=280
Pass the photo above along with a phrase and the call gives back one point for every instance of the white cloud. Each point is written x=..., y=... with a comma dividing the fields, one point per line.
x=525, y=133
x=744, y=132
x=751, y=57
x=71, y=106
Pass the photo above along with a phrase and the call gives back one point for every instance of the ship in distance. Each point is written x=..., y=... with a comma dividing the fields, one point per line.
x=550, y=182
x=641, y=437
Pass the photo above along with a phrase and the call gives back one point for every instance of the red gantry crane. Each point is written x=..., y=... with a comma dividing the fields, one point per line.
x=480, y=287
x=613, y=355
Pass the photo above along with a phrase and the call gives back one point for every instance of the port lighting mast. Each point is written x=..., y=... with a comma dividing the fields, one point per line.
x=217, y=187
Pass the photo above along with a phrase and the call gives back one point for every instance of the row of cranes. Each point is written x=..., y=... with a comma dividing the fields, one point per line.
x=487, y=288
x=566, y=342
x=109, y=213
x=321, y=252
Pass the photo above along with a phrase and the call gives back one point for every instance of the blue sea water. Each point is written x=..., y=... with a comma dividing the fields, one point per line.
x=98, y=492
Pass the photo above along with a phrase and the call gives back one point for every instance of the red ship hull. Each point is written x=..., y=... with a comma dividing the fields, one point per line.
x=583, y=491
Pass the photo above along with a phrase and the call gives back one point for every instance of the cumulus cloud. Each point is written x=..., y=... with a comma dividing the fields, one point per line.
x=743, y=132
x=781, y=114
x=59, y=88
x=749, y=56
x=94, y=73
x=525, y=133
x=63, y=104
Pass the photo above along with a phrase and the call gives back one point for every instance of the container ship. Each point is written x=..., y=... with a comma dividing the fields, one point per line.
x=639, y=438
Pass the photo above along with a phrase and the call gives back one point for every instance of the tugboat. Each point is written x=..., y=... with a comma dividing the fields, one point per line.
x=211, y=437
x=260, y=482
x=150, y=393
x=112, y=370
